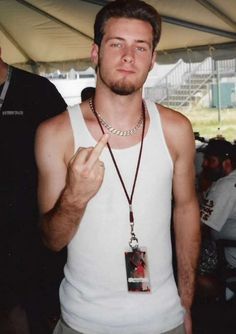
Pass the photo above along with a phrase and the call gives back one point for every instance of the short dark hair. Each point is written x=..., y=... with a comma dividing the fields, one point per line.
x=87, y=92
x=134, y=9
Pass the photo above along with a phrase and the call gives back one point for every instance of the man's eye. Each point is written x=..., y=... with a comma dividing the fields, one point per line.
x=116, y=45
x=141, y=48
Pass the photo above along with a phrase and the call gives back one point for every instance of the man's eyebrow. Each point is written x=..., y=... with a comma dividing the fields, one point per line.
x=136, y=40
x=143, y=42
x=115, y=37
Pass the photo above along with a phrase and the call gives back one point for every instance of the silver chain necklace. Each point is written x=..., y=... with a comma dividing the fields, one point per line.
x=123, y=133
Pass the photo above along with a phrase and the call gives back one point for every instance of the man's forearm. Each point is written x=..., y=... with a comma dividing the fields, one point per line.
x=186, y=278
x=59, y=225
x=188, y=239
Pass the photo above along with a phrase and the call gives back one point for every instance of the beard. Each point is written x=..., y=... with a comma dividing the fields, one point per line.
x=214, y=174
x=120, y=86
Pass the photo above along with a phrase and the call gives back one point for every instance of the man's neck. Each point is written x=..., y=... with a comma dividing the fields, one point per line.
x=120, y=112
x=118, y=108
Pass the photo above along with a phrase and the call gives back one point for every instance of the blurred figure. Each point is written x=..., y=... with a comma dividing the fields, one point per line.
x=218, y=211
x=219, y=207
x=27, y=275
x=214, y=155
x=87, y=93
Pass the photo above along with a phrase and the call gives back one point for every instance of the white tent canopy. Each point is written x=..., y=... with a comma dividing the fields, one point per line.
x=57, y=34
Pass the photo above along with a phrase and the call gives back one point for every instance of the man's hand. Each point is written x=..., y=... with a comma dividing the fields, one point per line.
x=85, y=173
x=188, y=323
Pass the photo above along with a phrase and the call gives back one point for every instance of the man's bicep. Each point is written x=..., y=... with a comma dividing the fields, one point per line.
x=50, y=185
x=184, y=175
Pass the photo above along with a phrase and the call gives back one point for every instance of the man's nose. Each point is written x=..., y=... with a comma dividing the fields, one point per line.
x=128, y=56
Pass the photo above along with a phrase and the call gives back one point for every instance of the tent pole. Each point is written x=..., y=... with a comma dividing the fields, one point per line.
x=218, y=95
x=190, y=83
x=189, y=51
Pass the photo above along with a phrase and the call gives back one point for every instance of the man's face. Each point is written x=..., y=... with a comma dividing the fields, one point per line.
x=212, y=167
x=125, y=56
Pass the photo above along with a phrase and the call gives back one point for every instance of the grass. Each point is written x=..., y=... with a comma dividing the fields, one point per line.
x=209, y=124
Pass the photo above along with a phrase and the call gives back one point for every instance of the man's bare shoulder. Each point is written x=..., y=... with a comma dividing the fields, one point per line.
x=172, y=117
x=177, y=130
x=55, y=126
x=54, y=137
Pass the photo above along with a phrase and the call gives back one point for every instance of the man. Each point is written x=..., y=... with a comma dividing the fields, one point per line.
x=218, y=211
x=214, y=154
x=26, y=100
x=112, y=205
x=86, y=93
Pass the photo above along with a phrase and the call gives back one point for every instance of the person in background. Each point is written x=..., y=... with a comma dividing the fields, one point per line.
x=218, y=210
x=87, y=93
x=107, y=171
x=210, y=161
x=29, y=272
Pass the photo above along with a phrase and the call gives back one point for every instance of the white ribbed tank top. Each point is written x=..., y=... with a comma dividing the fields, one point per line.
x=93, y=294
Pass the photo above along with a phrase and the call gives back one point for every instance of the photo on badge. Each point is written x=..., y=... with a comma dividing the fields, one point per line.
x=137, y=271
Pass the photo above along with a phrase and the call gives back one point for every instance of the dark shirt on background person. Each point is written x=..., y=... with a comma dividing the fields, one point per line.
x=28, y=271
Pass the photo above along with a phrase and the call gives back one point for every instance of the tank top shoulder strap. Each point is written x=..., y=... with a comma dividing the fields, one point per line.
x=156, y=129
x=154, y=114
x=76, y=120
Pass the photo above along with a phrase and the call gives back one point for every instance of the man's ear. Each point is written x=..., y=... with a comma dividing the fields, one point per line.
x=154, y=58
x=94, y=54
x=227, y=165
